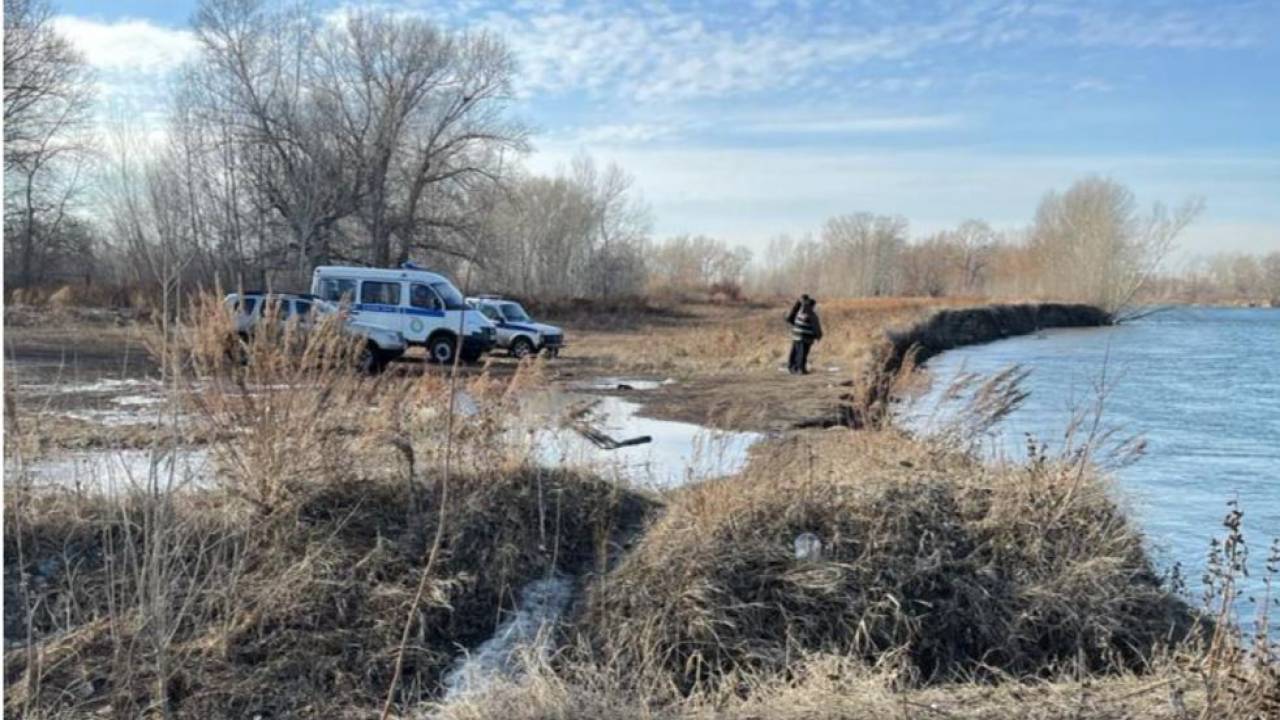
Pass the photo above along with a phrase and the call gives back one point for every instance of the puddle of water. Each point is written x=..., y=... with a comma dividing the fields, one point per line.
x=677, y=453
x=112, y=402
x=112, y=471
x=623, y=383
x=527, y=631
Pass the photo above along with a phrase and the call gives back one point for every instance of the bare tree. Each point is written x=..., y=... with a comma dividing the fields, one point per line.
x=581, y=233
x=975, y=243
x=1095, y=246
x=371, y=138
x=928, y=266
x=861, y=253
x=694, y=263
x=257, y=75
x=48, y=96
x=1271, y=277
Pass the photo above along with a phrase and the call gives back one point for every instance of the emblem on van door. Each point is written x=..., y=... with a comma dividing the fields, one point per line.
x=415, y=325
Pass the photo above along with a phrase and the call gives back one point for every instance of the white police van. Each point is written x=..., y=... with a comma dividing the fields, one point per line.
x=517, y=332
x=422, y=306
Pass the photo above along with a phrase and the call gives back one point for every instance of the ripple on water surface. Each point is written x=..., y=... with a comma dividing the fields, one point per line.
x=1201, y=386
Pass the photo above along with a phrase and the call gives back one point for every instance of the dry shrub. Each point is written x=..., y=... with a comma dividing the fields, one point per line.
x=956, y=567
x=28, y=296
x=278, y=618
x=726, y=292
x=63, y=297
x=289, y=396
x=282, y=587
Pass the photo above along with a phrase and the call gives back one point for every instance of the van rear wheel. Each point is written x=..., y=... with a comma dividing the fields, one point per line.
x=371, y=360
x=441, y=349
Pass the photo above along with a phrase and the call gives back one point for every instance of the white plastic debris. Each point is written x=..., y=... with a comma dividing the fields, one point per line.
x=808, y=546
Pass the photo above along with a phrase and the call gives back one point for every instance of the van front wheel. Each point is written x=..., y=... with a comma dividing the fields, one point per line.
x=521, y=347
x=441, y=349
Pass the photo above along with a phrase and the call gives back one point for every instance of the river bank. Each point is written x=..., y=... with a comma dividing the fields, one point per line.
x=287, y=580
x=1194, y=390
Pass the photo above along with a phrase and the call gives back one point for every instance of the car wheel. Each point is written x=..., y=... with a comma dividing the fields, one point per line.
x=239, y=350
x=441, y=348
x=371, y=361
x=521, y=347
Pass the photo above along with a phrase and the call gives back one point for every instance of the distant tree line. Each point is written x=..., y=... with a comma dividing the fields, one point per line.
x=295, y=140
x=1090, y=243
x=1225, y=277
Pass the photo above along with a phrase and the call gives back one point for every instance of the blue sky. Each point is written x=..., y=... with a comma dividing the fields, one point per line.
x=745, y=120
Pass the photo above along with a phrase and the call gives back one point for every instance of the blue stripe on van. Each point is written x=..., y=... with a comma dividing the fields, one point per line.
x=396, y=310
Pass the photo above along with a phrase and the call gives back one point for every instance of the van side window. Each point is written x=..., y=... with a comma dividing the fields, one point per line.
x=338, y=289
x=300, y=307
x=421, y=296
x=379, y=293
x=246, y=305
x=275, y=307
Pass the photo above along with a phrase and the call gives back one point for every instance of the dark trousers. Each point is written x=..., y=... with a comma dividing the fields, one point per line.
x=799, y=362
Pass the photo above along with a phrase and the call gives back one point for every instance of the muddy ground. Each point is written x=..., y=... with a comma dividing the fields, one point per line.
x=88, y=376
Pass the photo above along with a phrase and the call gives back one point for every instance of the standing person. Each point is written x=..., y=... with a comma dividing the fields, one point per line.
x=806, y=329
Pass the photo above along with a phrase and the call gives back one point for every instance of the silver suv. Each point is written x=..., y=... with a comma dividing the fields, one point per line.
x=381, y=346
x=517, y=332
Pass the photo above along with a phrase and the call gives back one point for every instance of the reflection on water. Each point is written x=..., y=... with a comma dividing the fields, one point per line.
x=1200, y=385
x=677, y=453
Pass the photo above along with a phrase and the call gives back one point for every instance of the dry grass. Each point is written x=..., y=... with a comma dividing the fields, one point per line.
x=946, y=589
x=961, y=569
x=719, y=339
x=281, y=588
x=832, y=687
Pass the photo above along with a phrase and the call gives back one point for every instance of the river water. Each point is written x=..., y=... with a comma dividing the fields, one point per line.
x=1201, y=386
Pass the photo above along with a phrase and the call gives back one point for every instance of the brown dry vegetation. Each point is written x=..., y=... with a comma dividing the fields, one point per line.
x=282, y=587
x=730, y=358
x=750, y=338
x=954, y=566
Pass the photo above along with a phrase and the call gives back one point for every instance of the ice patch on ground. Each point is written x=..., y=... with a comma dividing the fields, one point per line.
x=114, y=471
x=527, y=632
x=111, y=418
x=105, y=385
x=137, y=400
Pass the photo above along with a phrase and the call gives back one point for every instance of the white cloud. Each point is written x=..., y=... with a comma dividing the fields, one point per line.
x=128, y=46
x=1092, y=85
x=618, y=134
x=859, y=125
x=659, y=51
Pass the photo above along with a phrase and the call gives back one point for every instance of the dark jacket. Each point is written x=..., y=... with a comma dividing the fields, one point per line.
x=804, y=322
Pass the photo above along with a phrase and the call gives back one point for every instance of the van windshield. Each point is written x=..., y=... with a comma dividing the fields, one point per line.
x=453, y=299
